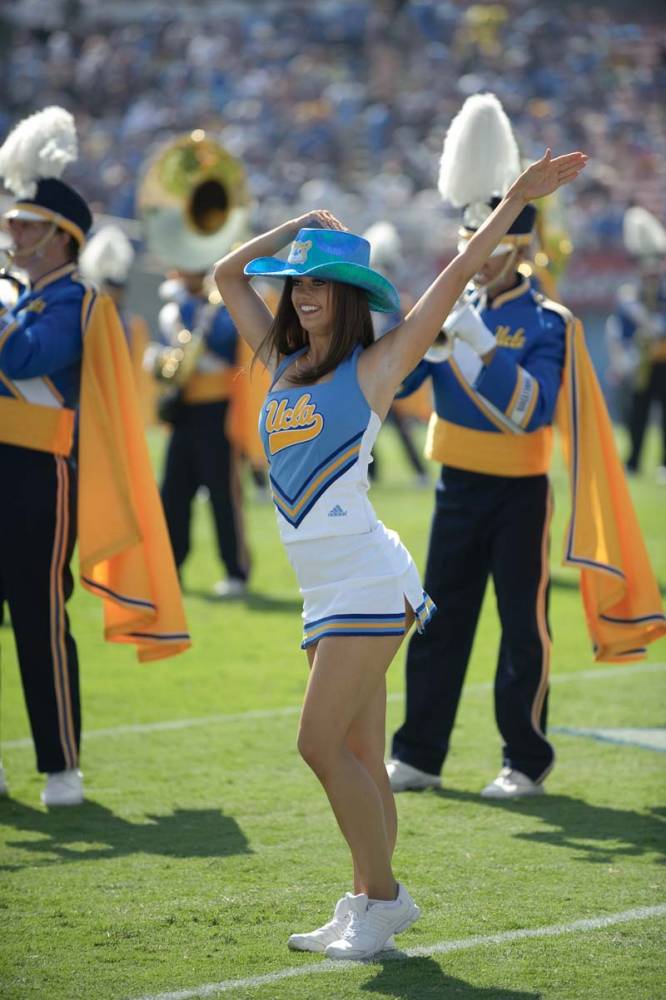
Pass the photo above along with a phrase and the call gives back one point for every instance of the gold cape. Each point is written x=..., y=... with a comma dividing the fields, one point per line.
x=125, y=554
x=603, y=540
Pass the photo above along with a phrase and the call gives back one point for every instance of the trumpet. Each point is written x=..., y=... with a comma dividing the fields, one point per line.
x=174, y=364
x=441, y=348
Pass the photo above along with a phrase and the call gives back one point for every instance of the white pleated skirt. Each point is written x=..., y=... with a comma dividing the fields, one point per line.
x=357, y=585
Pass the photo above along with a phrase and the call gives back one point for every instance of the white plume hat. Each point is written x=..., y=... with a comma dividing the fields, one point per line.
x=643, y=233
x=32, y=158
x=479, y=163
x=480, y=156
x=107, y=257
x=40, y=146
x=385, y=244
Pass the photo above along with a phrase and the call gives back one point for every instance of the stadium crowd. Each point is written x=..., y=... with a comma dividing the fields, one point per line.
x=355, y=96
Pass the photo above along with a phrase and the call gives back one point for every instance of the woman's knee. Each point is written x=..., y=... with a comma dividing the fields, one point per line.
x=317, y=750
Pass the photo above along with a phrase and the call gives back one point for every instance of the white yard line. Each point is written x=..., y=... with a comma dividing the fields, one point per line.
x=442, y=948
x=603, y=673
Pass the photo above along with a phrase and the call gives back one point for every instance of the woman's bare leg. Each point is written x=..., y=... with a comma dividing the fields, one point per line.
x=367, y=741
x=346, y=680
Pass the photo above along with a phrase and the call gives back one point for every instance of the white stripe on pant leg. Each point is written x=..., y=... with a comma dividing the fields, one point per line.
x=442, y=948
x=136, y=728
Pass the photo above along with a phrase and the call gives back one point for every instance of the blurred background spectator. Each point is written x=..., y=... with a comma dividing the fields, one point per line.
x=344, y=104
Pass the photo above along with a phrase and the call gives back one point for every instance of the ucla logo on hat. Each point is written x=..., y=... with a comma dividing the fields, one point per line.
x=299, y=252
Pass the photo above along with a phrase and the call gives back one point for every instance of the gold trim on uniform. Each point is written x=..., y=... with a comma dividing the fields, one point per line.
x=477, y=399
x=520, y=240
x=542, y=626
x=532, y=404
x=48, y=215
x=487, y=452
x=28, y=425
x=56, y=392
x=58, y=618
x=511, y=294
x=6, y=332
x=208, y=387
x=517, y=389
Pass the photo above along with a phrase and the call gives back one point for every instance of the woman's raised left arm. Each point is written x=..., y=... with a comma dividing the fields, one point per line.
x=384, y=365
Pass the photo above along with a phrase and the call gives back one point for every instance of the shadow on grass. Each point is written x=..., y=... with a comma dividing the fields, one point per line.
x=423, y=979
x=599, y=833
x=252, y=600
x=91, y=831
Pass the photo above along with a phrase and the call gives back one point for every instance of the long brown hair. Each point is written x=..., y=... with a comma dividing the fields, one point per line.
x=352, y=325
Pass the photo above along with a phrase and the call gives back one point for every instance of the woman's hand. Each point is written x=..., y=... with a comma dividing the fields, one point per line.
x=547, y=175
x=319, y=219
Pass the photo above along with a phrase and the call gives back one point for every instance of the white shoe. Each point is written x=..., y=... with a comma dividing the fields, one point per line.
x=318, y=939
x=510, y=784
x=404, y=777
x=63, y=788
x=233, y=587
x=4, y=787
x=371, y=925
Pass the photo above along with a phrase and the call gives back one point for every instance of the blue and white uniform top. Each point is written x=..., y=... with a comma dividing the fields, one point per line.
x=355, y=575
x=318, y=441
x=41, y=341
x=496, y=419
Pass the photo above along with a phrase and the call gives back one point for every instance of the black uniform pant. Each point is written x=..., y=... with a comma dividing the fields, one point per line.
x=199, y=454
x=37, y=534
x=483, y=526
x=641, y=403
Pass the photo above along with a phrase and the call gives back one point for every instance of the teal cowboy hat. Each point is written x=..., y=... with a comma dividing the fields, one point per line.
x=336, y=256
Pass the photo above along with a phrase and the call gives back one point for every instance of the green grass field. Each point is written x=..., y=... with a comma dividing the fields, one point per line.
x=205, y=841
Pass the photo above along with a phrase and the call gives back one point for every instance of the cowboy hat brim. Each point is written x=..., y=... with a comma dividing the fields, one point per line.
x=382, y=295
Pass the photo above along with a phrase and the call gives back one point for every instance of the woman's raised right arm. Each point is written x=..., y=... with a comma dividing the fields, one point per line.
x=248, y=310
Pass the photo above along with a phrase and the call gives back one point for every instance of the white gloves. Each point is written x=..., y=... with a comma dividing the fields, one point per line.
x=465, y=323
x=442, y=348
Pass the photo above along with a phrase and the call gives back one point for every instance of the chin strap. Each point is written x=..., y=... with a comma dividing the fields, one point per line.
x=36, y=250
x=487, y=289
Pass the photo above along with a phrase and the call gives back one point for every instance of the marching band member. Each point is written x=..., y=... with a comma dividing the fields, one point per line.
x=73, y=460
x=200, y=360
x=636, y=333
x=107, y=261
x=516, y=355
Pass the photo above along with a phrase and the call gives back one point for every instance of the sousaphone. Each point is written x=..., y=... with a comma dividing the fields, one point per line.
x=194, y=202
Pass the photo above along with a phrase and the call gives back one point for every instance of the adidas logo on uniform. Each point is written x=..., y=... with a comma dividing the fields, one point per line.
x=337, y=511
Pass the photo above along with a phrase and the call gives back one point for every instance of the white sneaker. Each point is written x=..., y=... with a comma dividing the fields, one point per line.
x=318, y=939
x=371, y=925
x=4, y=787
x=510, y=784
x=404, y=777
x=63, y=788
x=233, y=587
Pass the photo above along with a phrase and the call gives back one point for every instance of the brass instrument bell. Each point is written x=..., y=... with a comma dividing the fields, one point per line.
x=194, y=202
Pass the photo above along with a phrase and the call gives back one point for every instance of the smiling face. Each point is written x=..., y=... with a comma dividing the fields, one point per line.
x=312, y=299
